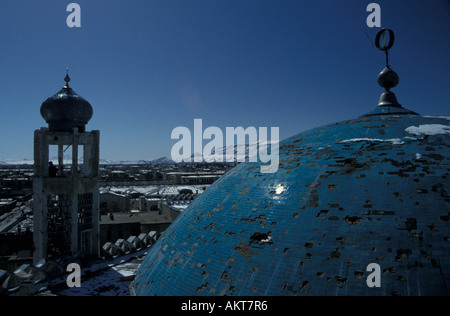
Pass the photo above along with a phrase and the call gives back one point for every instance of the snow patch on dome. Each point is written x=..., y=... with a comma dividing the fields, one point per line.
x=428, y=129
x=394, y=141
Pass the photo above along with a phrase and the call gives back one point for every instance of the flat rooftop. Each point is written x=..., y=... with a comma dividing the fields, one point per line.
x=141, y=217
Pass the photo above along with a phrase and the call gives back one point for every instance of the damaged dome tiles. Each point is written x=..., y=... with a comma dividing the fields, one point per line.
x=369, y=190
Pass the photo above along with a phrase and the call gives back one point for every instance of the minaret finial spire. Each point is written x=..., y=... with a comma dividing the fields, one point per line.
x=67, y=78
x=385, y=47
x=387, y=79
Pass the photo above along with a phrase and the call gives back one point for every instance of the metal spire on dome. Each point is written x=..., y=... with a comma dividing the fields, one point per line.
x=387, y=78
x=385, y=47
x=67, y=78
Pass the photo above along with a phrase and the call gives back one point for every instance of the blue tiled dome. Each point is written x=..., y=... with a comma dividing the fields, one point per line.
x=369, y=190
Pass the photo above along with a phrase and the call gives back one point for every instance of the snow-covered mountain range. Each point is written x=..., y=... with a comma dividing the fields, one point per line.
x=231, y=152
x=68, y=161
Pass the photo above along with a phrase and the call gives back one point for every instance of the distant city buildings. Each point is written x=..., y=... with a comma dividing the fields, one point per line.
x=16, y=182
x=137, y=202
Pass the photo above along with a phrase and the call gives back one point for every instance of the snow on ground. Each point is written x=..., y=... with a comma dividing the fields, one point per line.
x=162, y=189
x=111, y=278
x=13, y=217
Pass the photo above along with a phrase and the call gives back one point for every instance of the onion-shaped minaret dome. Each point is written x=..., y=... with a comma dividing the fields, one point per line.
x=66, y=110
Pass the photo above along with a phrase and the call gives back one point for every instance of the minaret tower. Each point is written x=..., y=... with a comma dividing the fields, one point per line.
x=66, y=196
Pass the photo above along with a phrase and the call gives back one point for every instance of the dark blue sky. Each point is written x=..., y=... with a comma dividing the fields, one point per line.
x=150, y=66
